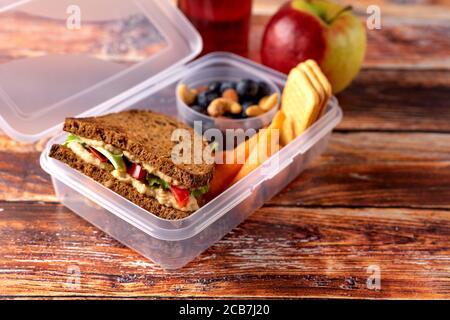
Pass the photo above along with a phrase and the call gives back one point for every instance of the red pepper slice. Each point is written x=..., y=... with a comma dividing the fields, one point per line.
x=181, y=195
x=136, y=171
x=98, y=155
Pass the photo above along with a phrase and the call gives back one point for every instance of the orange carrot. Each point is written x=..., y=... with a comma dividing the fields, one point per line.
x=277, y=122
x=226, y=172
x=265, y=149
x=232, y=162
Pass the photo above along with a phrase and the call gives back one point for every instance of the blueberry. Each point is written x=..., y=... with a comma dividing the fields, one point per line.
x=198, y=109
x=249, y=100
x=247, y=89
x=215, y=87
x=206, y=97
x=202, y=99
x=263, y=89
x=227, y=85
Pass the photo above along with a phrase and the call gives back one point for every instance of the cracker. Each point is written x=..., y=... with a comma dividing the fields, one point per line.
x=287, y=131
x=300, y=100
x=318, y=88
x=323, y=81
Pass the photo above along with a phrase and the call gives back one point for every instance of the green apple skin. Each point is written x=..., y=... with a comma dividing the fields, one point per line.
x=347, y=41
x=344, y=36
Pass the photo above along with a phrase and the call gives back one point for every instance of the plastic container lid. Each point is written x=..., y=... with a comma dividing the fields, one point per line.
x=81, y=57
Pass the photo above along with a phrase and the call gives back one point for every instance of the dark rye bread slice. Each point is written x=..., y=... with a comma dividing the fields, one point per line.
x=146, y=135
x=150, y=204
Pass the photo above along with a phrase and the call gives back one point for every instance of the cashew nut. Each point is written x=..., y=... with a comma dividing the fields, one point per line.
x=220, y=106
x=230, y=94
x=254, y=111
x=187, y=95
x=268, y=102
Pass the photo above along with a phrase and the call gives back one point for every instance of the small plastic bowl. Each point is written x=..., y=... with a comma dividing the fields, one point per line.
x=204, y=77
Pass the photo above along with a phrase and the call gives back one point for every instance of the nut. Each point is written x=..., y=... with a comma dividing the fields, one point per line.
x=263, y=101
x=220, y=106
x=268, y=102
x=187, y=95
x=254, y=111
x=230, y=94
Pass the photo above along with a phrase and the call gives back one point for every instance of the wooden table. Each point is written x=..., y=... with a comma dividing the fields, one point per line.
x=379, y=197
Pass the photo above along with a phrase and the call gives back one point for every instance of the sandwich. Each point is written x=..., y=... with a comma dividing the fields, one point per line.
x=131, y=153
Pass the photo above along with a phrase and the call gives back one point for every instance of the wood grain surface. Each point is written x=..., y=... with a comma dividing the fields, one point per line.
x=378, y=198
x=278, y=252
x=402, y=42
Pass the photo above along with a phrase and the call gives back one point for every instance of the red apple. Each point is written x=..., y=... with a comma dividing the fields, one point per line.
x=320, y=30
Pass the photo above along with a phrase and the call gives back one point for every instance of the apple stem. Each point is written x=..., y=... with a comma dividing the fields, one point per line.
x=345, y=9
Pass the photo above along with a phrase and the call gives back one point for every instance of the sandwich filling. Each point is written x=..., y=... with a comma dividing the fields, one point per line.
x=126, y=168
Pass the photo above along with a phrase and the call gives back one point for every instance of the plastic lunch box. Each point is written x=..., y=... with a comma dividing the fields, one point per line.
x=59, y=85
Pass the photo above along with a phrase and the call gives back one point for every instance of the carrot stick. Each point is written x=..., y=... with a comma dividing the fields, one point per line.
x=267, y=146
x=227, y=171
x=233, y=160
x=278, y=120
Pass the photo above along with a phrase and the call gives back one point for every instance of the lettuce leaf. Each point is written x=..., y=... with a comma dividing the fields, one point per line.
x=115, y=159
x=72, y=138
x=199, y=191
x=156, y=182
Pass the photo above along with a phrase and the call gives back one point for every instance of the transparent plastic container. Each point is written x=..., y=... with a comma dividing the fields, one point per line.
x=224, y=73
x=81, y=57
x=37, y=91
x=172, y=244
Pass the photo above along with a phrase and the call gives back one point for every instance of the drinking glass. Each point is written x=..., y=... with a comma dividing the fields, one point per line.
x=223, y=24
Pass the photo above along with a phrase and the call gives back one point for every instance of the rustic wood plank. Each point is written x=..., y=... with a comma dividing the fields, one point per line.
x=419, y=9
x=21, y=176
x=401, y=100
x=420, y=185
x=379, y=170
x=282, y=251
x=278, y=252
x=387, y=147
x=378, y=99
x=400, y=43
x=358, y=169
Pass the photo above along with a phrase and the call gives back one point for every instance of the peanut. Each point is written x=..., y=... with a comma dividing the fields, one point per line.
x=268, y=102
x=220, y=106
x=187, y=95
x=230, y=94
x=254, y=111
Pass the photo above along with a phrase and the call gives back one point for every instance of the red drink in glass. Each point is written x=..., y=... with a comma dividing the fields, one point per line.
x=223, y=24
